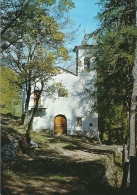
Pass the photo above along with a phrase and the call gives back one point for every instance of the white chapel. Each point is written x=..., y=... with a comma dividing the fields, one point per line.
x=69, y=111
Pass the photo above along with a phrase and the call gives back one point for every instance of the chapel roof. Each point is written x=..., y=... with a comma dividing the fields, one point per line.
x=82, y=47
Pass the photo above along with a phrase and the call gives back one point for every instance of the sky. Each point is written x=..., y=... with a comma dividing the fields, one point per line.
x=84, y=15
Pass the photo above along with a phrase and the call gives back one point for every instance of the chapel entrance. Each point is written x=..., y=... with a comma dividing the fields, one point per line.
x=60, y=124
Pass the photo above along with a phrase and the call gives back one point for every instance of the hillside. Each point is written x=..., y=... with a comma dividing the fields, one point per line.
x=60, y=165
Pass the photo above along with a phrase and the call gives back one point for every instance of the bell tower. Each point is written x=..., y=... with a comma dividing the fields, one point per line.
x=83, y=57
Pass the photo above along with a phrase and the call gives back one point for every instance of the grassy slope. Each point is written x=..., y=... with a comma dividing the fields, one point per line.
x=61, y=165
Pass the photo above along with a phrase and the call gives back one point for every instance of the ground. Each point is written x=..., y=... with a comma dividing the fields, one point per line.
x=61, y=165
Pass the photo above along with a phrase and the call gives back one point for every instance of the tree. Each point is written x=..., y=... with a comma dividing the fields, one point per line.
x=132, y=150
x=45, y=70
x=22, y=16
x=133, y=141
x=116, y=63
x=41, y=43
x=114, y=52
x=9, y=89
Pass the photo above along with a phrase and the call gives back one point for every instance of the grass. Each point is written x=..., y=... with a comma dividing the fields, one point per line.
x=8, y=173
x=61, y=165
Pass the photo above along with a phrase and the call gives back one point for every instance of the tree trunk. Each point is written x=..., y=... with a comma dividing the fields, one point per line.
x=25, y=114
x=132, y=141
x=132, y=150
x=35, y=109
x=136, y=130
x=128, y=117
x=132, y=116
x=125, y=169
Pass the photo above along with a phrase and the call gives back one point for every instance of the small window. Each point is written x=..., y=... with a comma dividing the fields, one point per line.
x=92, y=62
x=79, y=121
x=62, y=92
x=87, y=63
x=36, y=94
x=90, y=124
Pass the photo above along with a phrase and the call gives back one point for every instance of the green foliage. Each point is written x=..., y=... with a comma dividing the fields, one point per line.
x=32, y=18
x=114, y=60
x=40, y=41
x=33, y=41
x=65, y=5
x=62, y=92
x=9, y=90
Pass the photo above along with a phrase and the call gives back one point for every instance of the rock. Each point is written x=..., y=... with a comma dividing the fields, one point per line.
x=8, y=152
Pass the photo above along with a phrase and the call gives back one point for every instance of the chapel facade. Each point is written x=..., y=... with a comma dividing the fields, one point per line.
x=69, y=109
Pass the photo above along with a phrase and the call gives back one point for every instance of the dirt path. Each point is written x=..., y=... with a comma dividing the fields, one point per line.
x=61, y=165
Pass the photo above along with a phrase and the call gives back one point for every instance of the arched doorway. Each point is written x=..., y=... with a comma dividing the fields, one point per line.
x=60, y=124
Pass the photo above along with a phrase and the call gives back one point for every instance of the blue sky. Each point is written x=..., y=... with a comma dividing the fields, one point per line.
x=84, y=15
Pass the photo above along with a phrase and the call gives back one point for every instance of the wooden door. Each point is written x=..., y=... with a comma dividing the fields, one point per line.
x=60, y=124
x=36, y=93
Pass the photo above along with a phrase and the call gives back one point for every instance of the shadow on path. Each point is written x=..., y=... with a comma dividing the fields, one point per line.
x=46, y=171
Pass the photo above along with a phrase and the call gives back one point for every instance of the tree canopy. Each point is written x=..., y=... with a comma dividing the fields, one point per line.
x=114, y=59
x=33, y=41
x=29, y=17
x=10, y=90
